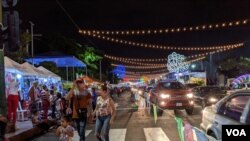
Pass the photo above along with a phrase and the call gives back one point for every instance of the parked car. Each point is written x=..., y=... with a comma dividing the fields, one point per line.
x=172, y=95
x=208, y=95
x=231, y=110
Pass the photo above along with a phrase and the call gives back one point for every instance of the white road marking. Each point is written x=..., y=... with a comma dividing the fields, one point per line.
x=155, y=134
x=76, y=136
x=117, y=134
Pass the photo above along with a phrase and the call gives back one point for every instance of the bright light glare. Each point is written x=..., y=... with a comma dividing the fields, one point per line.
x=213, y=99
x=190, y=95
x=165, y=96
x=18, y=76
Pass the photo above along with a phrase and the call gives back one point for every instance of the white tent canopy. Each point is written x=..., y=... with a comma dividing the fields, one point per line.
x=13, y=67
x=33, y=70
x=49, y=73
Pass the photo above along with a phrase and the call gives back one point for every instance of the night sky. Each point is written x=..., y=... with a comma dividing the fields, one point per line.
x=48, y=18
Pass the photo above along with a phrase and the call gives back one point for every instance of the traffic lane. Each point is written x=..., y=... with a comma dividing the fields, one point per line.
x=194, y=119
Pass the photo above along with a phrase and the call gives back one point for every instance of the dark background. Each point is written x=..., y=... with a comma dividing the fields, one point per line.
x=49, y=18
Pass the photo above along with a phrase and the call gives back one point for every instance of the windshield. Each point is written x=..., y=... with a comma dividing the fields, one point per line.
x=172, y=85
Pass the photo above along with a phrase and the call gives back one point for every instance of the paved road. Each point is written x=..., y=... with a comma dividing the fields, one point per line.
x=139, y=125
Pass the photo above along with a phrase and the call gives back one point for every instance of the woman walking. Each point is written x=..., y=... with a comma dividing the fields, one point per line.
x=105, y=112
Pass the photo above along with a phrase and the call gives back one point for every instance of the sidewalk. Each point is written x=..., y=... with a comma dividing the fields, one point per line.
x=25, y=131
x=21, y=127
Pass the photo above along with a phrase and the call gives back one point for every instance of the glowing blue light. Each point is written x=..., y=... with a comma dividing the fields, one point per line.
x=18, y=76
x=120, y=71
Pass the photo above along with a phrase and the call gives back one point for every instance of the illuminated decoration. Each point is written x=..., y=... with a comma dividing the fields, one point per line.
x=157, y=46
x=176, y=63
x=144, y=79
x=241, y=79
x=120, y=71
x=169, y=30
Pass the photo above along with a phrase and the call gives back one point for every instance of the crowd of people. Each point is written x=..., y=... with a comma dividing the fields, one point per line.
x=82, y=105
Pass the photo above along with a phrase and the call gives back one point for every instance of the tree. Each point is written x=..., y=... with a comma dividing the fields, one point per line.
x=22, y=53
x=233, y=67
x=90, y=58
x=50, y=66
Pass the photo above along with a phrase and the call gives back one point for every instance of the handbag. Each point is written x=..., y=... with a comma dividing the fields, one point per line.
x=82, y=112
x=69, y=110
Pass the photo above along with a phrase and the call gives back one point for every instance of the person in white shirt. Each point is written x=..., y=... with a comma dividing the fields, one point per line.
x=12, y=100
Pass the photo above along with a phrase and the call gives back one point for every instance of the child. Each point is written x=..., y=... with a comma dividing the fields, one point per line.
x=65, y=131
x=35, y=118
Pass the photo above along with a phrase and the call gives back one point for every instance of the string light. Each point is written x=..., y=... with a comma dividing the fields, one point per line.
x=173, y=30
x=136, y=59
x=142, y=67
x=217, y=51
x=163, y=47
x=157, y=66
x=147, y=72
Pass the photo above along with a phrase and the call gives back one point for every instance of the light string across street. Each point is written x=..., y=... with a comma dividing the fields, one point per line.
x=221, y=25
x=156, y=46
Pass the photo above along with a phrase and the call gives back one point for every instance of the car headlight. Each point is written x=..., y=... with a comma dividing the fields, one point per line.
x=212, y=99
x=164, y=96
x=190, y=95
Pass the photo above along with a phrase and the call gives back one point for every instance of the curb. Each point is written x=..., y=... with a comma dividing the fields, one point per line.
x=34, y=132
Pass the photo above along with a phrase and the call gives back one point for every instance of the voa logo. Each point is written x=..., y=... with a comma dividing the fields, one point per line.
x=236, y=132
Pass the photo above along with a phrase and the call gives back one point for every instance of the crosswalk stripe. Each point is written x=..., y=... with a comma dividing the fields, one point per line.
x=117, y=134
x=76, y=136
x=155, y=134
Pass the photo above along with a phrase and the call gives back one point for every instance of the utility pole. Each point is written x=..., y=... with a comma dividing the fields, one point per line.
x=32, y=41
x=3, y=104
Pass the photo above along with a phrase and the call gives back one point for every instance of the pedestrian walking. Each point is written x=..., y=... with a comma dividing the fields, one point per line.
x=105, y=113
x=94, y=98
x=81, y=103
x=34, y=94
x=12, y=100
x=45, y=102
x=65, y=131
x=53, y=99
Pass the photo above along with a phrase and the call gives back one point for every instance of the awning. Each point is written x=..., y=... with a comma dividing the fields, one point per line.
x=33, y=70
x=13, y=67
x=60, y=61
x=49, y=73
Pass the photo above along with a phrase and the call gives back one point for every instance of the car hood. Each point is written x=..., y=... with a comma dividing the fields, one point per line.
x=214, y=95
x=175, y=91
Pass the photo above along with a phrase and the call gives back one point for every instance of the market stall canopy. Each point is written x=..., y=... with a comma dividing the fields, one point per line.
x=13, y=67
x=32, y=70
x=60, y=61
x=50, y=74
